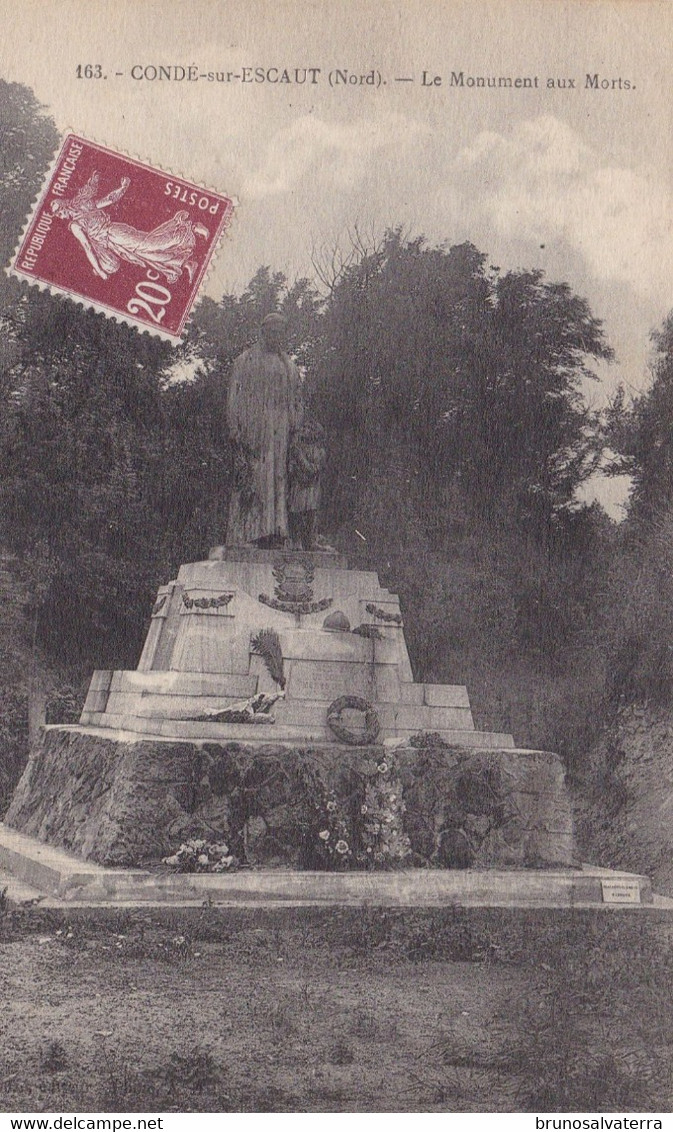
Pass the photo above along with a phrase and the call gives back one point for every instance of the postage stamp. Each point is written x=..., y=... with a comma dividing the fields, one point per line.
x=124, y=238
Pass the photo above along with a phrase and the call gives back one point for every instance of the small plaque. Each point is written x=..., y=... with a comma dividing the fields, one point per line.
x=620, y=891
x=324, y=679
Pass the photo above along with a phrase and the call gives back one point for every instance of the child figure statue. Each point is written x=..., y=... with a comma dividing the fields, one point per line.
x=306, y=460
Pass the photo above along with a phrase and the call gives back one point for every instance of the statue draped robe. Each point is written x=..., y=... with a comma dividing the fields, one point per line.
x=263, y=408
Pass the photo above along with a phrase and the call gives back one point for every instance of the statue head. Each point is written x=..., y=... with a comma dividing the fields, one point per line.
x=274, y=330
x=63, y=209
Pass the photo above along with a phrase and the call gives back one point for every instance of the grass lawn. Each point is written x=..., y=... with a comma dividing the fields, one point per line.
x=336, y=1010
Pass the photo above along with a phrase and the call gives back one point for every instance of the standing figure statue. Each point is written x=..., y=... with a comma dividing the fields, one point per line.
x=307, y=459
x=264, y=410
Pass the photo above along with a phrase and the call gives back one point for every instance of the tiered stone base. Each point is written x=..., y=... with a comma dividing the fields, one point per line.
x=200, y=658
x=121, y=802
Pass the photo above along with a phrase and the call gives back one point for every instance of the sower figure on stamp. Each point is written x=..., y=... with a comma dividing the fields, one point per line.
x=264, y=409
x=308, y=455
x=166, y=250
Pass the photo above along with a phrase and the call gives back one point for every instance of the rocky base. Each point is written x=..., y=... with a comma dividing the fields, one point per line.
x=125, y=803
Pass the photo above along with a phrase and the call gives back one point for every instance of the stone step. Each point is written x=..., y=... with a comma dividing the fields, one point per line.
x=166, y=693
x=52, y=870
x=168, y=690
x=96, y=701
x=410, y=693
x=239, y=685
x=56, y=872
x=187, y=707
x=392, y=717
x=17, y=893
x=403, y=888
x=173, y=683
x=303, y=712
x=329, y=679
x=153, y=690
x=101, y=680
x=36, y=863
x=275, y=732
x=446, y=695
x=169, y=706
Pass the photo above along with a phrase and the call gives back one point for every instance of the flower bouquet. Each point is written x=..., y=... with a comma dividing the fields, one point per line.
x=199, y=856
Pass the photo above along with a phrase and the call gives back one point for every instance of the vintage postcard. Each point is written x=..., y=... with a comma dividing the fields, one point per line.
x=336, y=547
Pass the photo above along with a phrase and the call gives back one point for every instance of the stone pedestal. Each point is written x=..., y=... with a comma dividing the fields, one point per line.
x=199, y=658
x=148, y=766
x=121, y=802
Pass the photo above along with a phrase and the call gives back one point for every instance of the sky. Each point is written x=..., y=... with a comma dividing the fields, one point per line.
x=574, y=180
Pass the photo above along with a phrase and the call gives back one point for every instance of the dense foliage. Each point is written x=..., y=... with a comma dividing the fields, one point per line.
x=638, y=609
x=640, y=433
x=472, y=378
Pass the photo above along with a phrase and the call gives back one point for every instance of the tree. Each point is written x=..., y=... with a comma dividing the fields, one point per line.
x=28, y=140
x=78, y=445
x=640, y=434
x=637, y=619
x=220, y=331
x=469, y=377
x=530, y=432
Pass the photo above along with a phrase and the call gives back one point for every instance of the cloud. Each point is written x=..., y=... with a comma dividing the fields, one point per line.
x=541, y=182
x=339, y=154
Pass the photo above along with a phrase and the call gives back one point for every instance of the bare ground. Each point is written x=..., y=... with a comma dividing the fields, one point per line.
x=335, y=1011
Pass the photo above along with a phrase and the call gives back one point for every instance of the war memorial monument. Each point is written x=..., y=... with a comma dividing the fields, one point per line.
x=274, y=711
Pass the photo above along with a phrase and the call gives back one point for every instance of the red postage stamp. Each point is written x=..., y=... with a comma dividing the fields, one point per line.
x=124, y=238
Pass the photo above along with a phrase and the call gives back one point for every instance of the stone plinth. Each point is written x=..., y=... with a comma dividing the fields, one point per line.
x=199, y=656
x=151, y=763
x=124, y=802
x=324, y=558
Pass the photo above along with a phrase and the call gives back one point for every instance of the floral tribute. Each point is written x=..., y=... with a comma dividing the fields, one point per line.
x=366, y=830
x=199, y=856
x=357, y=738
x=385, y=844
x=206, y=602
x=297, y=607
x=335, y=837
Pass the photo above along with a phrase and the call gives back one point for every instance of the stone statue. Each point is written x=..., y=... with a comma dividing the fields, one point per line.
x=307, y=459
x=264, y=409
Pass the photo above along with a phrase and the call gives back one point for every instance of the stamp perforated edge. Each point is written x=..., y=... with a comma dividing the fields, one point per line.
x=175, y=339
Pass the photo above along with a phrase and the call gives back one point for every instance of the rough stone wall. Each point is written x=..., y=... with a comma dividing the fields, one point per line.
x=625, y=799
x=129, y=803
